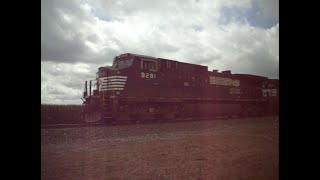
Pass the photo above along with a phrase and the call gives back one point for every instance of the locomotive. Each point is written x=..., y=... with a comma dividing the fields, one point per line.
x=145, y=88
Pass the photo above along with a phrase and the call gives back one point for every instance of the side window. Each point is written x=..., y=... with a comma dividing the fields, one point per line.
x=149, y=65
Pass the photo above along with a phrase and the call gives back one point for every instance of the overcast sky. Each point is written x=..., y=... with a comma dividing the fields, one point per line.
x=78, y=36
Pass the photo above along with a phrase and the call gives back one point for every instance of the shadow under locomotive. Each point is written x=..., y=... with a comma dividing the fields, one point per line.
x=146, y=88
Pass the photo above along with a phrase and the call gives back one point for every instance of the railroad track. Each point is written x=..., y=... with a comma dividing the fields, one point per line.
x=46, y=126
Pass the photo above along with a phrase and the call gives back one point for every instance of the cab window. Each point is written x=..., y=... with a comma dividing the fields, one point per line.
x=149, y=65
x=123, y=62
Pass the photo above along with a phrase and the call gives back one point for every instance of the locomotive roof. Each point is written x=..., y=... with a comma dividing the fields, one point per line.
x=137, y=55
x=250, y=76
x=151, y=57
x=181, y=62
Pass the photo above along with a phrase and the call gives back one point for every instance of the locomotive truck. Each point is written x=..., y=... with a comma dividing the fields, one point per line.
x=145, y=88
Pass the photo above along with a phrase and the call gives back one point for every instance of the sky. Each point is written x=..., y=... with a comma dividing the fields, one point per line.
x=79, y=36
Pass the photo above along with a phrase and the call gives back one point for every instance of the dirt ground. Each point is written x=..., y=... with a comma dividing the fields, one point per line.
x=220, y=149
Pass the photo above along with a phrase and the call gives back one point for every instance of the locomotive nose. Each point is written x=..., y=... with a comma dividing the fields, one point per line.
x=110, y=79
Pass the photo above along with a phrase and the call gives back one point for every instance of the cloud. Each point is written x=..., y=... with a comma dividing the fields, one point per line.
x=63, y=82
x=78, y=36
x=270, y=8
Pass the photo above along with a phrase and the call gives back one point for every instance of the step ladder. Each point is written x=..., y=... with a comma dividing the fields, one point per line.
x=107, y=116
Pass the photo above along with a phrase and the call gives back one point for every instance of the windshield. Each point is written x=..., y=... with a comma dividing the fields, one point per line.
x=126, y=62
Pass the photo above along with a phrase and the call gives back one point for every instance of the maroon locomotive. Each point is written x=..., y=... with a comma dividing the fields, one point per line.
x=145, y=88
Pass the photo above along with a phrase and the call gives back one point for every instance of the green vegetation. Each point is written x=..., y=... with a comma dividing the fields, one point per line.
x=61, y=114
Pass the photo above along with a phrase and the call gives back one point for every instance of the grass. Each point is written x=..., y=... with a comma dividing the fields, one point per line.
x=61, y=114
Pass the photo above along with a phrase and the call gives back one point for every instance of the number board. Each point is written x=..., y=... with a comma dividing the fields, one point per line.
x=145, y=75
